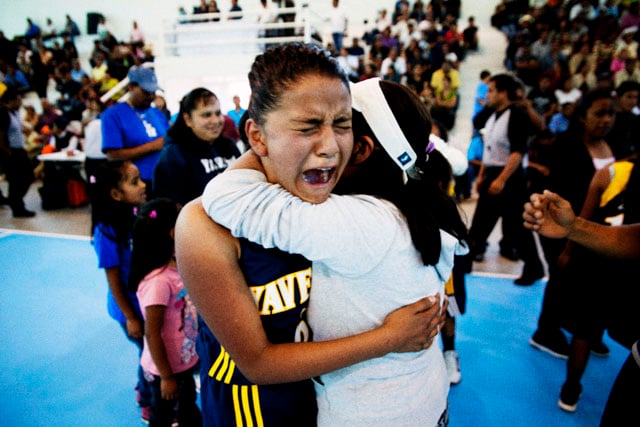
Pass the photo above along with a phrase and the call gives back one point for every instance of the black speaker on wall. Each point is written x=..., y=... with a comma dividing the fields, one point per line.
x=92, y=22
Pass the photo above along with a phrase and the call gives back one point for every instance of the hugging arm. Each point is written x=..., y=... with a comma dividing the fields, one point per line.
x=243, y=201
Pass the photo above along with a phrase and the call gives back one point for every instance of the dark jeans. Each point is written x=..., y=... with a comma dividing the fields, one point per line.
x=164, y=411
x=19, y=173
x=508, y=206
x=555, y=294
x=337, y=41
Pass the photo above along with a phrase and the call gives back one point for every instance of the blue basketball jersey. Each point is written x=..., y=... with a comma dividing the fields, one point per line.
x=280, y=283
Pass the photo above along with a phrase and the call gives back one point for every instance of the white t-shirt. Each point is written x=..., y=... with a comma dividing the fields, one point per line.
x=337, y=19
x=364, y=266
x=93, y=140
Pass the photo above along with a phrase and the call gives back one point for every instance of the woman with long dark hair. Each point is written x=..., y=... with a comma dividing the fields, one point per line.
x=195, y=149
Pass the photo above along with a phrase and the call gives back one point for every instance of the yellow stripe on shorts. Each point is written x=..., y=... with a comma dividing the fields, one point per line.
x=246, y=397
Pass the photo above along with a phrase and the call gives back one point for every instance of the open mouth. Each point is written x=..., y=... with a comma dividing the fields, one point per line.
x=318, y=176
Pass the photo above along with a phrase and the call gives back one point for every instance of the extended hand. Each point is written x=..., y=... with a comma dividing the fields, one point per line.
x=548, y=214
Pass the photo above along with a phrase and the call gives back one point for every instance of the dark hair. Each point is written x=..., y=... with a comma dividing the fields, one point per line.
x=61, y=122
x=583, y=105
x=484, y=74
x=627, y=86
x=63, y=68
x=442, y=129
x=153, y=244
x=426, y=206
x=188, y=103
x=279, y=67
x=439, y=170
x=106, y=210
x=242, y=131
x=10, y=94
x=506, y=83
x=182, y=134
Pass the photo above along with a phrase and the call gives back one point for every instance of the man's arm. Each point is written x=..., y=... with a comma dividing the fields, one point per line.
x=538, y=121
x=135, y=152
x=113, y=127
x=552, y=216
x=513, y=163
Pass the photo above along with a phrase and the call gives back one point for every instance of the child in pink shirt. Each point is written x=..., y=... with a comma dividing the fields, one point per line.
x=169, y=355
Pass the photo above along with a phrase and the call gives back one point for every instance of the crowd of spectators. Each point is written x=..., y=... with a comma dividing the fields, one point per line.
x=560, y=50
x=45, y=62
x=419, y=44
x=415, y=44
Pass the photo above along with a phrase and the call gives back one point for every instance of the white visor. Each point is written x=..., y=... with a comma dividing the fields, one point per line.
x=368, y=99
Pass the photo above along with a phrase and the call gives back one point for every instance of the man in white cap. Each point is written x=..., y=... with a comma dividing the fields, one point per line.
x=134, y=130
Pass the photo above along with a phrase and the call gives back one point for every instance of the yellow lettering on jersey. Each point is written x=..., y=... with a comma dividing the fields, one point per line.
x=257, y=293
x=304, y=283
x=279, y=295
x=272, y=302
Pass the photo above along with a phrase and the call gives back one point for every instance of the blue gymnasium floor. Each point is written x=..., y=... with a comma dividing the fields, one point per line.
x=66, y=363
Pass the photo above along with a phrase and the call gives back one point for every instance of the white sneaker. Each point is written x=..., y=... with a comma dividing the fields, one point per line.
x=453, y=366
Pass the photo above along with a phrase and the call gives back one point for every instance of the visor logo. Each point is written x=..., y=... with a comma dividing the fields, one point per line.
x=404, y=158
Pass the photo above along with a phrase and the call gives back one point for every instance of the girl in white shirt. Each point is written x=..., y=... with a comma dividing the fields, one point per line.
x=371, y=253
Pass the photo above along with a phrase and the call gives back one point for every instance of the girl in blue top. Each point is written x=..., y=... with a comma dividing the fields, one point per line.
x=119, y=190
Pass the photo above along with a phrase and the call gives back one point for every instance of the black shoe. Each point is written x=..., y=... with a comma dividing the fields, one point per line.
x=509, y=253
x=600, y=349
x=23, y=213
x=528, y=278
x=553, y=343
x=569, y=396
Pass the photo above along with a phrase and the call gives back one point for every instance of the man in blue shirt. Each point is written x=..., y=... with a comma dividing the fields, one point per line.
x=134, y=130
x=237, y=112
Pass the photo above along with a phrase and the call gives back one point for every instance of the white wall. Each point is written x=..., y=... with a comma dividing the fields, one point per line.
x=148, y=13
x=176, y=76
x=225, y=76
